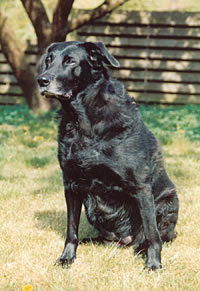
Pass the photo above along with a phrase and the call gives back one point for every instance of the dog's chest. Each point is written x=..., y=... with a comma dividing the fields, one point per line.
x=82, y=150
x=82, y=158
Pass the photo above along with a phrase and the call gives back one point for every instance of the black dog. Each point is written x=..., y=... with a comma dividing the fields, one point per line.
x=110, y=161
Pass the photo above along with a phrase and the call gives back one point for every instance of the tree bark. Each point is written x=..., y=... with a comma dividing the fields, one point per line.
x=84, y=18
x=40, y=21
x=60, y=20
x=14, y=52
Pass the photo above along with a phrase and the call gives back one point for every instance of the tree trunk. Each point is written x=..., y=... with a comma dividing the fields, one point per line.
x=60, y=20
x=40, y=21
x=13, y=49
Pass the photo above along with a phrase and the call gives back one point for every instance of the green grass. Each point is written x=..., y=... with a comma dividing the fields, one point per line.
x=33, y=214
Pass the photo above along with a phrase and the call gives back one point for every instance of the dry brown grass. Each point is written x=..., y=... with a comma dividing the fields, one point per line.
x=33, y=216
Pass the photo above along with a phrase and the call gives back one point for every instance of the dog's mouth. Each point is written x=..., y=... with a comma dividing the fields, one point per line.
x=48, y=94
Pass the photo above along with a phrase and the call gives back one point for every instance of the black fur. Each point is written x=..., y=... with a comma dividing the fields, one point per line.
x=110, y=161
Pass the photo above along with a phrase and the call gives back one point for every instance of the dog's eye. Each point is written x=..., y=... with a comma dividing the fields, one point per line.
x=48, y=61
x=68, y=61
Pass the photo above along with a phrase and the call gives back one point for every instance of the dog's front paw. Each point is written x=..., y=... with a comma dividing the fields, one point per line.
x=65, y=262
x=153, y=265
x=68, y=256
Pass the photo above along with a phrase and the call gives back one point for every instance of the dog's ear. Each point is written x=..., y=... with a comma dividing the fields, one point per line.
x=98, y=52
x=108, y=58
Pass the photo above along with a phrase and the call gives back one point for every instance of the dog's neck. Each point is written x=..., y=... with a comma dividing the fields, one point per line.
x=100, y=110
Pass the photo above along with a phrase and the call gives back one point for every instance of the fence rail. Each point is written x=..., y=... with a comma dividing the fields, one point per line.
x=10, y=91
x=159, y=55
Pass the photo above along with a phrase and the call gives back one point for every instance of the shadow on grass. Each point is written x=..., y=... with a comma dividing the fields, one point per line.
x=38, y=161
x=48, y=184
x=57, y=221
x=52, y=221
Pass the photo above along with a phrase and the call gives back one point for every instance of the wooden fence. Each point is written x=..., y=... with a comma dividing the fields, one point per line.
x=159, y=55
x=10, y=92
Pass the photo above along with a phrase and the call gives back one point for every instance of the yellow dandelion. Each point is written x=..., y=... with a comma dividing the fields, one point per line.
x=38, y=138
x=198, y=161
x=180, y=131
x=27, y=287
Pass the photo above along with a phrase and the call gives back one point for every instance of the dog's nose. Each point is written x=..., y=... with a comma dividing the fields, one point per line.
x=43, y=81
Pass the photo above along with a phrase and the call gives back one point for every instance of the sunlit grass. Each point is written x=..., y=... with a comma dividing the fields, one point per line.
x=33, y=212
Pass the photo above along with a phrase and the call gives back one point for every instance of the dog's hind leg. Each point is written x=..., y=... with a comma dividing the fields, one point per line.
x=166, y=216
x=147, y=211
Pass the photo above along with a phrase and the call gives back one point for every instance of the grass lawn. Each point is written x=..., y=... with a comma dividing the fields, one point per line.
x=33, y=214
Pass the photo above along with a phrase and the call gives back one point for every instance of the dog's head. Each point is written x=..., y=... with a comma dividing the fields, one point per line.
x=69, y=67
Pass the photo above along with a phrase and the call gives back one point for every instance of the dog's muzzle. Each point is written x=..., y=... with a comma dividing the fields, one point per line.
x=44, y=83
x=50, y=90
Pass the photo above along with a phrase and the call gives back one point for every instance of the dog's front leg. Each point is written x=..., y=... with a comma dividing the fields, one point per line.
x=74, y=203
x=147, y=211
